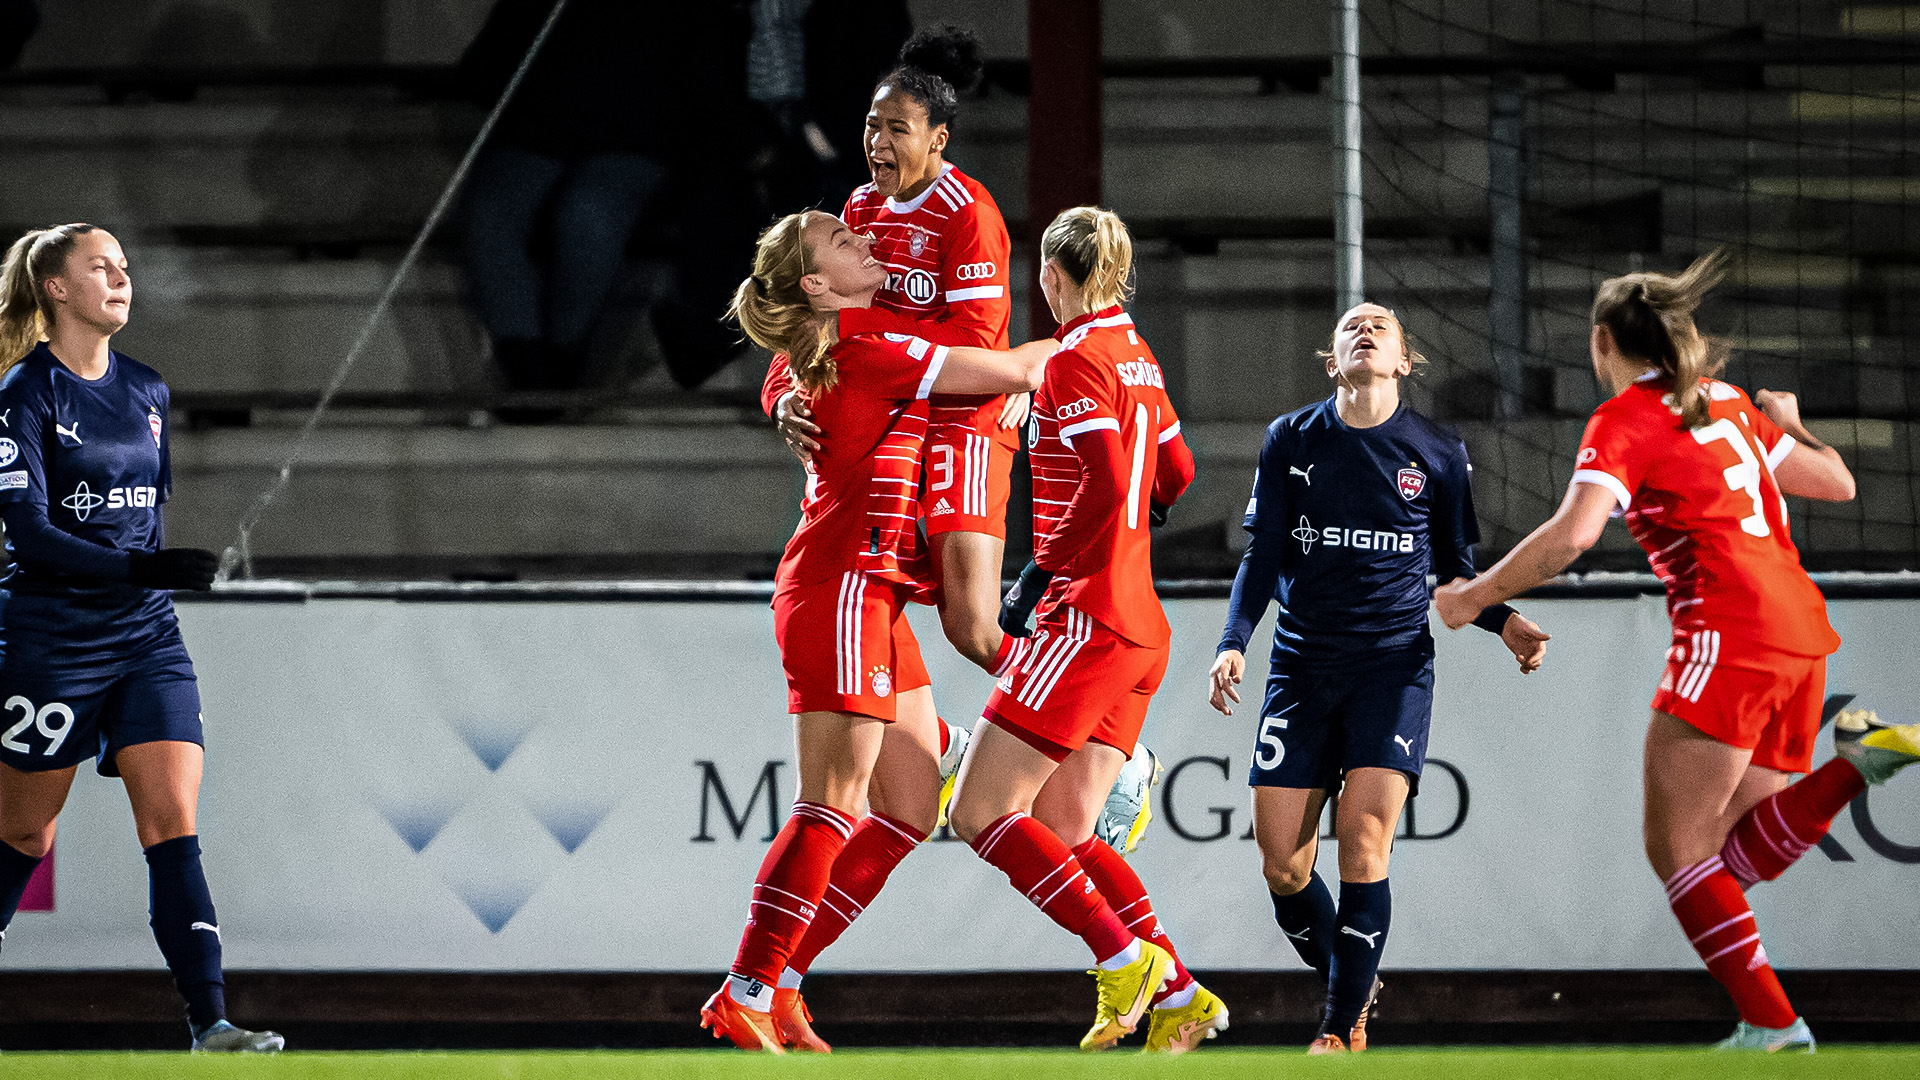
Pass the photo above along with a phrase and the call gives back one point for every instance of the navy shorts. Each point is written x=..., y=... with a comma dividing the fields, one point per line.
x=1316, y=727
x=56, y=713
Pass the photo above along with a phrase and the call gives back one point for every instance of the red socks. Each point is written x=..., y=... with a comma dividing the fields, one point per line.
x=876, y=847
x=1039, y=865
x=1128, y=898
x=792, y=877
x=1781, y=827
x=1714, y=913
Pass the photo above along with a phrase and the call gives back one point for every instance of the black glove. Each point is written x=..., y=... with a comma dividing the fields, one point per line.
x=1156, y=514
x=173, y=568
x=1025, y=595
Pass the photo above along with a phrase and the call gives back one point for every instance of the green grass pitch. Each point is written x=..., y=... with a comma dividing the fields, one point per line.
x=1848, y=1062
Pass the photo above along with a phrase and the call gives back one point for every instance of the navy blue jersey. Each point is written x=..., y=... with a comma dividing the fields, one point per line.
x=89, y=459
x=1346, y=525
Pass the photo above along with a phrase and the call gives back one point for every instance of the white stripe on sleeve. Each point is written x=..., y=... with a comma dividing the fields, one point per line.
x=933, y=371
x=1606, y=480
x=982, y=292
x=1780, y=450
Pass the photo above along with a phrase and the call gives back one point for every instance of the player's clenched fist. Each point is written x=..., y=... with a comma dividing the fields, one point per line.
x=1228, y=669
x=1780, y=407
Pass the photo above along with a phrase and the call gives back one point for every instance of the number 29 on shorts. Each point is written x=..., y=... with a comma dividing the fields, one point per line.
x=40, y=720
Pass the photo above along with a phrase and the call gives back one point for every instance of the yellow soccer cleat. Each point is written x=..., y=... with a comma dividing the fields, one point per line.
x=1125, y=995
x=957, y=739
x=1178, y=1030
x=1877, y=749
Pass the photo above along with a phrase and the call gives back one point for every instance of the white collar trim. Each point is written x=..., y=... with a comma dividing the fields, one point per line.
x=895, y=206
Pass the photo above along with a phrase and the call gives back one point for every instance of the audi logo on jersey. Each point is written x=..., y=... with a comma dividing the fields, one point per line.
x=1077, y=408
x=981, y=271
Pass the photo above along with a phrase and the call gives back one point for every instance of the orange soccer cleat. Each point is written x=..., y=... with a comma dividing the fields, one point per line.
x=791, y=1019
x=750, y=1029
x=1327, y=1044
x=1357, y=1038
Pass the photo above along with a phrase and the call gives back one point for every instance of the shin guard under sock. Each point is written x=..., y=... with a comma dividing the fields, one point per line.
x=185, y=927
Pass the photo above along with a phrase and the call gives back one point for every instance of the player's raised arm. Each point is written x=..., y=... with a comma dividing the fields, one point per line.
x=1808, y=468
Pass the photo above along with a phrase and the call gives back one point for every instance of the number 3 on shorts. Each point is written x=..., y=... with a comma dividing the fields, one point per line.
x=1271, y=751
x=28, y=717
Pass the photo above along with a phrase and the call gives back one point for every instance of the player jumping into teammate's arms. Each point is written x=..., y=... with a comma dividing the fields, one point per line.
x=944, y=245
x=851, y=661
x=1698, y=469
x=94, y=664
x=1356, y=500
x=1106, y=447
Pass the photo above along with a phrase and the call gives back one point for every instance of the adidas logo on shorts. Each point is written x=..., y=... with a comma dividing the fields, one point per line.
x=941, y=507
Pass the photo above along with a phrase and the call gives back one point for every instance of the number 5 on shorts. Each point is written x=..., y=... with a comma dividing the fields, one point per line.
x=1271, y=751
x=55, y=735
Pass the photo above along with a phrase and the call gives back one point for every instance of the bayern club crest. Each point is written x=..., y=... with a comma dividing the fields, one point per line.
x=153, y=425
x=1412, y=483
x=917, y=245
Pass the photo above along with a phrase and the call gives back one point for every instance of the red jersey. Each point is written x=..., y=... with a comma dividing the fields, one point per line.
x=1105, y=446
x=946, y=253
x=862, y=504
x=1705, y=506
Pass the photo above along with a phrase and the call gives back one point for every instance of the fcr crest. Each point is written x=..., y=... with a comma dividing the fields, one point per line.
x=1412, y=483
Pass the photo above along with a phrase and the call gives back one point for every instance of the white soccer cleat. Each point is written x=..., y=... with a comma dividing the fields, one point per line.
x=1129, y=808
x=222, y=1037
x=1794, y=1037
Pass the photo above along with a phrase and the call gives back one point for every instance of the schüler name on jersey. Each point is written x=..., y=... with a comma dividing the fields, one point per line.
x=1334, y=536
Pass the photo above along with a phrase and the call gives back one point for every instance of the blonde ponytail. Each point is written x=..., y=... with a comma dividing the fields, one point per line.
x=1650, y=316
x=773, y=310
x=24, y=314
x=1092, y=245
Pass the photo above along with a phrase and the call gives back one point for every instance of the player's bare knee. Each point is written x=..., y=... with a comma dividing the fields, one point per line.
x=34, y=843
x=1286, y=875
x=1072, y=829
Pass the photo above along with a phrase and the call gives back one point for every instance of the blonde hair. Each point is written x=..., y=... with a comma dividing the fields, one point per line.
x=774, y=311
x=1650, y=316
x=25, y=314
x=1093, y=247
x=1414, y=357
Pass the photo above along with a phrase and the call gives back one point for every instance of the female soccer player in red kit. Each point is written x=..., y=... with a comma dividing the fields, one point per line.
x=1698, y=469
x=1106, y=449
x=945, y=249
x=851, y=566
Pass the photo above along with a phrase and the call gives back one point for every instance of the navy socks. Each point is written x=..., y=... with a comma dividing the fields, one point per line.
x=1361, y=936
x=1306, y=917
x=15, y=868
x=185, y=927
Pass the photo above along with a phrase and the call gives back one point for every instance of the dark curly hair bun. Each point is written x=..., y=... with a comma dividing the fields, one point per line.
x=946, y=51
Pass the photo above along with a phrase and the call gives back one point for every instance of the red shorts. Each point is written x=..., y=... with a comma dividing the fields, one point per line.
x=1764, y=701
x=846, y=646
x=968, y=474
x=1080, y=683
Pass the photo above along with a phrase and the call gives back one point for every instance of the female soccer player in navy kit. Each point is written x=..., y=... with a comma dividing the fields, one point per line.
x=1356, y=501
x=1698, y=470
x=94, y=665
